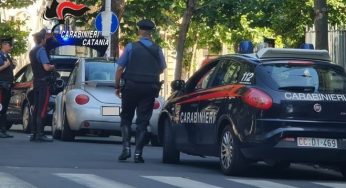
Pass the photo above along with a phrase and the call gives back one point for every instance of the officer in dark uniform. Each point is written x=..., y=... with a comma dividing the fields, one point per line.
x=140, y=67
x=6, y=79
x=42, y=69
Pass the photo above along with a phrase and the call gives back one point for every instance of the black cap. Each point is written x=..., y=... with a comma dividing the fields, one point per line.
x=6, y=40
x=41, y=34
x=146, y=25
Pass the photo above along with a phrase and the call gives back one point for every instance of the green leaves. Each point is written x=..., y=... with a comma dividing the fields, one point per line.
x=15, y=3
x=12, y=29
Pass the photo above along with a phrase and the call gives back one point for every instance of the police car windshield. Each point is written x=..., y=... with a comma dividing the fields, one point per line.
x=304, y=78
x=100, y=71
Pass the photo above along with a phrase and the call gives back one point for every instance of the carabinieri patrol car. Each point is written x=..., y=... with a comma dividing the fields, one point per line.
x=277, y=105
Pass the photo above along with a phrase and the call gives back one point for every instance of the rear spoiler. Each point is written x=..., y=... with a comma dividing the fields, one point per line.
x=282, y=53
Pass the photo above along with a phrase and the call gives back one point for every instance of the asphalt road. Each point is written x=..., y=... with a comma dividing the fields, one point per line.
x=92, y=162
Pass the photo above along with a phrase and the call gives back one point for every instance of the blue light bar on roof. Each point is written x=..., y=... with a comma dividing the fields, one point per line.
x=246, y=47
x=307, y=46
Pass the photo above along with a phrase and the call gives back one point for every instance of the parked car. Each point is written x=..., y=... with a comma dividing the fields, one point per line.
x=21, y=103
x=88, y=104
x=278, y=106
x=22, y=99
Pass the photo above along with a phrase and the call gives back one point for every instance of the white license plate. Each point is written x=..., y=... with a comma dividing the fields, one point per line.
x=110, y=110
x=317, y=142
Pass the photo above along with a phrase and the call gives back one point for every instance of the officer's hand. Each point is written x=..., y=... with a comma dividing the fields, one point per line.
x=7, y=63
x=118, y=92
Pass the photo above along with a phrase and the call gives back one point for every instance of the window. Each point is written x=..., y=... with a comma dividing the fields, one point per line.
x=312, y=78
x=28, y=75
x=203, y=82
x=72, y=79
x=20, y=75
x=228, y=73
x=100, y=71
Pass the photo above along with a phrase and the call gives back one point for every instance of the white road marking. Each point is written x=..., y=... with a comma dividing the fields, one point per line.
x=180, y=182
x=261, y=183
x=9, y=181
x=331, y=184
x=92, y=181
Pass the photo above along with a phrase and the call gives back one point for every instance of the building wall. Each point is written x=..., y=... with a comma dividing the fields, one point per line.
x=337, y=43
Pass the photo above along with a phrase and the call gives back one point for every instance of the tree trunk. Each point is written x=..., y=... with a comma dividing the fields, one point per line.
x=321, y=24
x=184, y=28
x=118, y=7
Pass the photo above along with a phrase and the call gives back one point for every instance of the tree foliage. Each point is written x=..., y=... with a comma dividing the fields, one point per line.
x=12, y=29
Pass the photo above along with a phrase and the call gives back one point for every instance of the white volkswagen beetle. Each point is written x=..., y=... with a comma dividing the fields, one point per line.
x=88, y=104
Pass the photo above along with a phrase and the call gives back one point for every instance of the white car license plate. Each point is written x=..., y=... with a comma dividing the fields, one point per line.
x=110, y=110
x=317, y=142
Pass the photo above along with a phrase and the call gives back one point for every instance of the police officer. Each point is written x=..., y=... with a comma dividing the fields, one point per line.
x=140, y=67
x=42, y=69
x=6, y=79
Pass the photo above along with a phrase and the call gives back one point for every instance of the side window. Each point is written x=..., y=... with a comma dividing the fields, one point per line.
x=247, y=74
x=203, y=82
x=19, y=77
x=28, y=75
x=72, y=79
x=228, y=73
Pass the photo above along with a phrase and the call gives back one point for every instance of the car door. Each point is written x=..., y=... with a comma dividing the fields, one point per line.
x=23, y=82
x=187, y=108
x=213, y=104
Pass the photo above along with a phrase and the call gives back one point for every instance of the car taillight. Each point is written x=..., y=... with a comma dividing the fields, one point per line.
x=257, y=99
x=156, y=104
x=82, y=99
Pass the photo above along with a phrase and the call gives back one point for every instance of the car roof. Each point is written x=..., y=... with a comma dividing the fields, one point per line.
x=272, y=54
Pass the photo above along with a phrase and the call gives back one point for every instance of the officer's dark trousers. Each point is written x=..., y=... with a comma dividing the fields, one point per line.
x=137, y=97
x=41, y=100
x=5, y=96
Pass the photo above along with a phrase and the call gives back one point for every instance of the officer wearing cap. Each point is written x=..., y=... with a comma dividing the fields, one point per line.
x=41, y=68
x=6, y=79
x=140, y=67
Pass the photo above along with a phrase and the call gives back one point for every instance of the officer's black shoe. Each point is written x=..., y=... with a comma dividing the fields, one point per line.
x=43, y=138
x=32, y=137
x=5, y=135
x=125, y=154
x=138, y=158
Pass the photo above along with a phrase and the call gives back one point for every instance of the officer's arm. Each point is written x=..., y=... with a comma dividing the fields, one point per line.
x=43, y=58
x=3, y=64
x=118, y=75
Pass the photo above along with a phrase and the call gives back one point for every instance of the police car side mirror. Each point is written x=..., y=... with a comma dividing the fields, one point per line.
x=177, y=85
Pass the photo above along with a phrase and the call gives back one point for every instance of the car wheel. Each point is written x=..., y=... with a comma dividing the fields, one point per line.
x=343, y=171
x=66, y=133
x=169, y=153
x=232, y=161
x=56, y=133
x=27, y=124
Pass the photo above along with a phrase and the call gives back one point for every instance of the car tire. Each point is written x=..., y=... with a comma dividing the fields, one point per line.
x=343, y=171
x=27, y=118
x=66, y=133
x=169, y=152
x=56, y=133
x=232, y=161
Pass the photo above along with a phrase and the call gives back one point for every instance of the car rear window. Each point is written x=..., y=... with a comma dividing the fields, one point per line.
x=100, y=71
x=304, y=78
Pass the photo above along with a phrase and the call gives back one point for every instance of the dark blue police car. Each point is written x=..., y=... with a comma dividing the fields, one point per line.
x=278, y=106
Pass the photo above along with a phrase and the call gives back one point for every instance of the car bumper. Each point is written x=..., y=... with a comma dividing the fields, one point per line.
x=277, y=140
x=90, y=118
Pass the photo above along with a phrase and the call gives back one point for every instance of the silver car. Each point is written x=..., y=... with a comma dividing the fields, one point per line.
x=88, y=104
